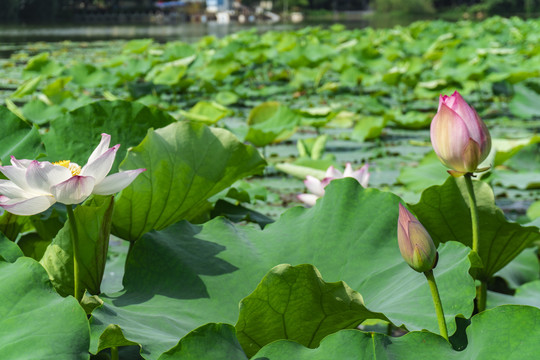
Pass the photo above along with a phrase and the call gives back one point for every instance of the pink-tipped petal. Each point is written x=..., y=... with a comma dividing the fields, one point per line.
x=10, y=190
x=362, y=175
x=26, y=207
x=348, y=170
x=308, y=199
x=42, y=175
x=15, y=174
x=116, y=182
x=449, y=136
x=333, y=173
x=22, y=163
x=74, y=190
x=314, y=185
x=100, y=167
x=101, y=148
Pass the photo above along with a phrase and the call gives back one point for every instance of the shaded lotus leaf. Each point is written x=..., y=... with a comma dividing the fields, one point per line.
x=36, y=322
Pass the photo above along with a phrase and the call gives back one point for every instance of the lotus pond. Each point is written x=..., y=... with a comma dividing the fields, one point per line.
x=210, y=254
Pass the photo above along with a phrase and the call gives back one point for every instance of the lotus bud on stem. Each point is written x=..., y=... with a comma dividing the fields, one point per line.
x=462, y=141
x=418, y=250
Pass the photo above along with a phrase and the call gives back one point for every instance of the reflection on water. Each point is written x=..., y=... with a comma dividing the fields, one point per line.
x=182, y=31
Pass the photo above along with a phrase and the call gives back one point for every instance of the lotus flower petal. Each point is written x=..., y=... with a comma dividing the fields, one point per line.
x=308, y=199
x=314, y=185
x=31, y=206
x=74, y=190
x=43, y=175
x=116, y=182
x=101, y=148
x=100, y=166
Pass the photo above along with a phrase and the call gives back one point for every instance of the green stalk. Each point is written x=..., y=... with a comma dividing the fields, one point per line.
x=481, y=296
x=74, y=241
x=437, y=302
x=482, y=289
x=474, y=211
x=114, y=353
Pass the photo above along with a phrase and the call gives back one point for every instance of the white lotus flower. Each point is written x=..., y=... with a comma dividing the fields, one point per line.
x=316, y=186
x=34, y=186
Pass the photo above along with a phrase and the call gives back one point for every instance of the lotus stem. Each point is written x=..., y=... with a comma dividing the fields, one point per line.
x=474, y=211
x=114, y=353
x=481, y=291
x=437, y=302
x=481, y=296
x=74, y=241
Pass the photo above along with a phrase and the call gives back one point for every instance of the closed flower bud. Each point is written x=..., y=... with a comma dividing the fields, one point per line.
x=459, y=137
x=415, y=244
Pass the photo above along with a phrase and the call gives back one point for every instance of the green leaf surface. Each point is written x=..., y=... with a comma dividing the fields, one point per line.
x=526, y=294
x=93, y=223
x=200, y=273
x=207, y=112
x=186, y=164
x=486, y=341
x=75, y=135
x=523, y=269
x=270, y=122
x=429, y=172
x=27, y=87
x=209, y=342
x=17, y=138
x=444, y=211
x=36, y=322
x=9, y=251
x=294, y=302
x=524, y=104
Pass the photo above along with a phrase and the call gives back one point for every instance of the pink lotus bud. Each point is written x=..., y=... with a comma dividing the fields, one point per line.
x=415, y=244
x=459, y=137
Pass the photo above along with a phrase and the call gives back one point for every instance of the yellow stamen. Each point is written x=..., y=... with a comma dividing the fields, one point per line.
x=73, y=167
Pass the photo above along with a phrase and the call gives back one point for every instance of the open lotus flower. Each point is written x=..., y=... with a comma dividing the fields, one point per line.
x=415, y=244
x=34, y=186
x=316, y=186
x=459, y=137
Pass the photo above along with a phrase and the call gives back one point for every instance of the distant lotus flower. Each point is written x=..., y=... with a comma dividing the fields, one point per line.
x=34, y=186
x=459, y=137
x=316, y=186
x=415, y=244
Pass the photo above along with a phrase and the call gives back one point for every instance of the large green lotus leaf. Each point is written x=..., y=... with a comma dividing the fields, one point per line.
x=17, y=138
x=523, y=269
x=486, y=340
x=93, y=220
x=270, y=122
x=444, y=211
x=209, y=342
x=186, y=164
x=36, y=322
x=197, y=274
x=76, y=134
x=294, y=302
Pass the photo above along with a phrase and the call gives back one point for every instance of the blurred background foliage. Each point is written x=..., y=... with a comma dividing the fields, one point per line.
x=39, y=11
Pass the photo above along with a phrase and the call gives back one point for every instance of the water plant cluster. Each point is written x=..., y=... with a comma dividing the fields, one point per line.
x=164, y=248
